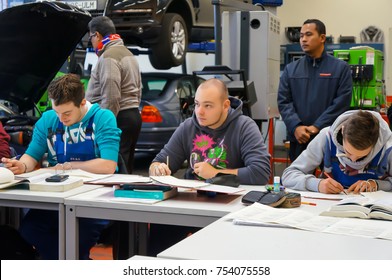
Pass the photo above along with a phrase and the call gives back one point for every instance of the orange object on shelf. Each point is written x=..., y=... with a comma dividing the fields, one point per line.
x=271, y=149
x=389, y=100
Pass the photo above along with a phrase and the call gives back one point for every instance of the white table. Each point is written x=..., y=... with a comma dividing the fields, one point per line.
x=223, y=240
x=143, y=258
x=186, y=209
x=20, y=198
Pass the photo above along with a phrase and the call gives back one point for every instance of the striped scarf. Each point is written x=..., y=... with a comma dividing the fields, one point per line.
x=106, y=40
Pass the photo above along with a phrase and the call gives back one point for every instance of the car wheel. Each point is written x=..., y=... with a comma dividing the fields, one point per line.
x=172, y=44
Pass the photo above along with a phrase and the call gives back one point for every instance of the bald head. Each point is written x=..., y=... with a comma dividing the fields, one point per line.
x=215, y=85
x=212, y=103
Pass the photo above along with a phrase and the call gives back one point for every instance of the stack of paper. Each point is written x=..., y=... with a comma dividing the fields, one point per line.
x=194, y=184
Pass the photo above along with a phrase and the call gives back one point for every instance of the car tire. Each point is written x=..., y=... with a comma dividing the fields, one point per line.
x=172, y=44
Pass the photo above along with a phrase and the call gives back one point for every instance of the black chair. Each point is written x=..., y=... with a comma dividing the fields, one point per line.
x=121, y=166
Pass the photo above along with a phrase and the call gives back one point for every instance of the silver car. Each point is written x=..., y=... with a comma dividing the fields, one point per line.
x=167, y=100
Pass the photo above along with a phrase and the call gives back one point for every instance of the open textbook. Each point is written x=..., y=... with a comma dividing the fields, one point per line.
x=262, y=215
x=371, y=205
x=194, y=184
x=37, y=182
x=76, y=176
x=91, y=178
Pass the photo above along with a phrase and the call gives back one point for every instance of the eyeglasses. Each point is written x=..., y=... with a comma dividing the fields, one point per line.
x=92, y=35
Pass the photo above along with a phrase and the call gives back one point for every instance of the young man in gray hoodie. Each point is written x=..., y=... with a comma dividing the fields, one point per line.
x=355, y=152
x=217, y=139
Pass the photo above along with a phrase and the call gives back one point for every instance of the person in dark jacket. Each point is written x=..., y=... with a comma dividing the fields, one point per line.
x=313, y=90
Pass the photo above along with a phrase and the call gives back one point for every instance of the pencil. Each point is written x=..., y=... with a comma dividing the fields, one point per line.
x=308, y=203
x=323, y=198
x=167, y=161
x=326, y=174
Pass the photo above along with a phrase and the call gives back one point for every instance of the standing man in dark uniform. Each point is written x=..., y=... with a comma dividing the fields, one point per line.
x=313, y=90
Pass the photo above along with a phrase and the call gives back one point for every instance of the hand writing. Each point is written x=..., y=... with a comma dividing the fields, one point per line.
x=331, y=186
x=159, y=169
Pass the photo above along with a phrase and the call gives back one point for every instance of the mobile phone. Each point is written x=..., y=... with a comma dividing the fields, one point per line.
x=57, y=178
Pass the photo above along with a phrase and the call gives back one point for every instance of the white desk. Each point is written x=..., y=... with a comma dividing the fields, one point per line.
x=186, y=209
x=143, y=258
x=19, y=198
x=223, y=240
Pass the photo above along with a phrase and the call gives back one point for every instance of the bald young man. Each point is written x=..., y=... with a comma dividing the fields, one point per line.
x=217, y=138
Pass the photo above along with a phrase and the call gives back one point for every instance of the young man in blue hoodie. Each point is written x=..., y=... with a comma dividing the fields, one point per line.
x=77, y=135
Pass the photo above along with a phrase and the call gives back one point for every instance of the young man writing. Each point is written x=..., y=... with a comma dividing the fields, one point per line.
x=355, y=152
x=74, y=132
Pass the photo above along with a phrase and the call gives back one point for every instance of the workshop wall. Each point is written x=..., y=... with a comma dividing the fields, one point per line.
x=346, y=18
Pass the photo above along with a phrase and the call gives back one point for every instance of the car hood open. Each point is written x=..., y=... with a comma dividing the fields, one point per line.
x=35, y=41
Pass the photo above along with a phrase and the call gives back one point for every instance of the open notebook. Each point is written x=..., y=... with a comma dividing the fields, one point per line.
x=194, y=184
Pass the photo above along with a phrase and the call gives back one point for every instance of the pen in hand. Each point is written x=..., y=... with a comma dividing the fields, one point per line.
x=328, y=176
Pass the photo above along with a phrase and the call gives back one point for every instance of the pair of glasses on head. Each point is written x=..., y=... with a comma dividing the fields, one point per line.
x=92, y=35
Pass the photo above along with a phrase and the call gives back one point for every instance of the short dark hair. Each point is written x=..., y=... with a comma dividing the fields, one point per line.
x=103, y=25
x=65, y=89
x=361, y=130
x=320, y=26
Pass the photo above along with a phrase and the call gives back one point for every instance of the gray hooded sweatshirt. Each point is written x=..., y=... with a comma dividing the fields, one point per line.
x=299, y=175
x=237, y=143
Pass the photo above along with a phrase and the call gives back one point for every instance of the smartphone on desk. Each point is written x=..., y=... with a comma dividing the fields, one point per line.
x=57, y=178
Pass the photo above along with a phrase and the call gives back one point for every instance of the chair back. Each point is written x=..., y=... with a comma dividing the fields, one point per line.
x=121, y=166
